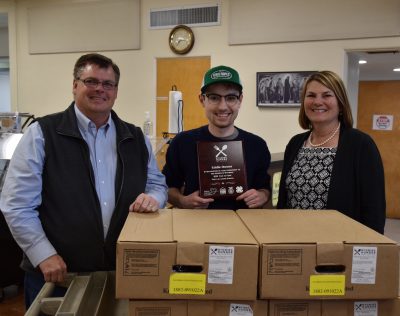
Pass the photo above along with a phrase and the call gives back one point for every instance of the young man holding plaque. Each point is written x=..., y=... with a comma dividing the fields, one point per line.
x=218, y=166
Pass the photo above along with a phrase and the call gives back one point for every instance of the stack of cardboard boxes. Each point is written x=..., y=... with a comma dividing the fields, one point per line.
x=255, y=262
x=187, y=262
x=323, y=263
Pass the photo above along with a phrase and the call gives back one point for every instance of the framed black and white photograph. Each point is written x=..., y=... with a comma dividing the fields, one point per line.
x=280, y=89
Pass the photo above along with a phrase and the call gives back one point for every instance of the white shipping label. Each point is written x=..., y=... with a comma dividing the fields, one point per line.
x=366, y=308
x=240, y=310
x=363, y=269
x=220, y=264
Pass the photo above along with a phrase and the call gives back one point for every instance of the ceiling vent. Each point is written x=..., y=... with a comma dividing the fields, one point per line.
x=199, y=15
x=383, y=52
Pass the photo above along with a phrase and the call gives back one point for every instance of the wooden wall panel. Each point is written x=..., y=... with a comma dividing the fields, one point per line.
x=186, y=74
x=383, y=97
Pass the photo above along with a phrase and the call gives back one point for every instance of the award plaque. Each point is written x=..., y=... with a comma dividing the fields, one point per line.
x=222, y=170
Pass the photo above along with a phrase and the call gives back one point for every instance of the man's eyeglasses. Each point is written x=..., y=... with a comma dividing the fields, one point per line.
x=215, y=99
x=94, y=83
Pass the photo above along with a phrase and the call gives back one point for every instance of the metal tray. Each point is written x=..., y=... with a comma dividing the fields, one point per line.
x=87, y=295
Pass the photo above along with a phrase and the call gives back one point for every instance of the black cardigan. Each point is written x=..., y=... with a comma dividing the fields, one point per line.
x=357, y=186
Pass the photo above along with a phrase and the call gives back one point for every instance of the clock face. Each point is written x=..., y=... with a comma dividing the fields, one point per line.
x=181, y=39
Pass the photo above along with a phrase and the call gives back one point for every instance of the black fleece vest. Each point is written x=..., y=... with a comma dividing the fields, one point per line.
x=70, y=211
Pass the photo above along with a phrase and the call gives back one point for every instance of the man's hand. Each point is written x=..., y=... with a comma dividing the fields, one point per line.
x=255, y=198
x=144, y=204
x=54, y=269
x=194, y=201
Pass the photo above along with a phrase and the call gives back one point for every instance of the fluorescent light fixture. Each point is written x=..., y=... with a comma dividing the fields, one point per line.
x=362, y=61
x=396, y=69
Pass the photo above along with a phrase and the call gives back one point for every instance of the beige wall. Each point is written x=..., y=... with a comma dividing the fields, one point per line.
x=43, y=82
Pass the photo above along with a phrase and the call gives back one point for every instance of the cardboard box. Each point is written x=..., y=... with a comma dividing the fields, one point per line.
x=198, y=308
x=215, y=252
x=335, y=308
x=266, y=308
x=321, y=255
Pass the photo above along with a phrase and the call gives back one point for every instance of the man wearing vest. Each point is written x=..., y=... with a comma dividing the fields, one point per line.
x=73, y=178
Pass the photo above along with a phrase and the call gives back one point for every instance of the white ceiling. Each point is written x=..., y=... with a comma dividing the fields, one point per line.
x=380, y=65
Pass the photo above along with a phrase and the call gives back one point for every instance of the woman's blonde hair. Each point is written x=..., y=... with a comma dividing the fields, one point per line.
x=333, y=82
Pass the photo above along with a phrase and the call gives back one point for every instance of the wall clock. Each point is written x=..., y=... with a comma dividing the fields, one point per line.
x=181, y=39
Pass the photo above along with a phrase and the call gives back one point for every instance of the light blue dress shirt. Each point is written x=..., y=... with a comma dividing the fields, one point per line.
x=21, y=194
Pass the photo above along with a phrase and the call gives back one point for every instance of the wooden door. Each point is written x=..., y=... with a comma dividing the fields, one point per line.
x=186, y=74
x=383, y=97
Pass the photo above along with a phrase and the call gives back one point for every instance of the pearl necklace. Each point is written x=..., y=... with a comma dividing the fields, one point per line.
x=325, y=141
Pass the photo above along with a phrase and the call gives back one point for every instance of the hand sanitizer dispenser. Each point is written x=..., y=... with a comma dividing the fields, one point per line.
x=147, y=125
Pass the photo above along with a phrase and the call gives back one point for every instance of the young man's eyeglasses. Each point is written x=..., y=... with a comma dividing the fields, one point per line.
x=215, y=99
x=94, y=83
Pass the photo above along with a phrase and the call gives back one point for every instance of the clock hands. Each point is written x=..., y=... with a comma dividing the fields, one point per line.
x=181, y=39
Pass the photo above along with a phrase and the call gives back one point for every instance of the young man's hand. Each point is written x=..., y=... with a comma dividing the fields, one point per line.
x=255, y=198
x=194, y=200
